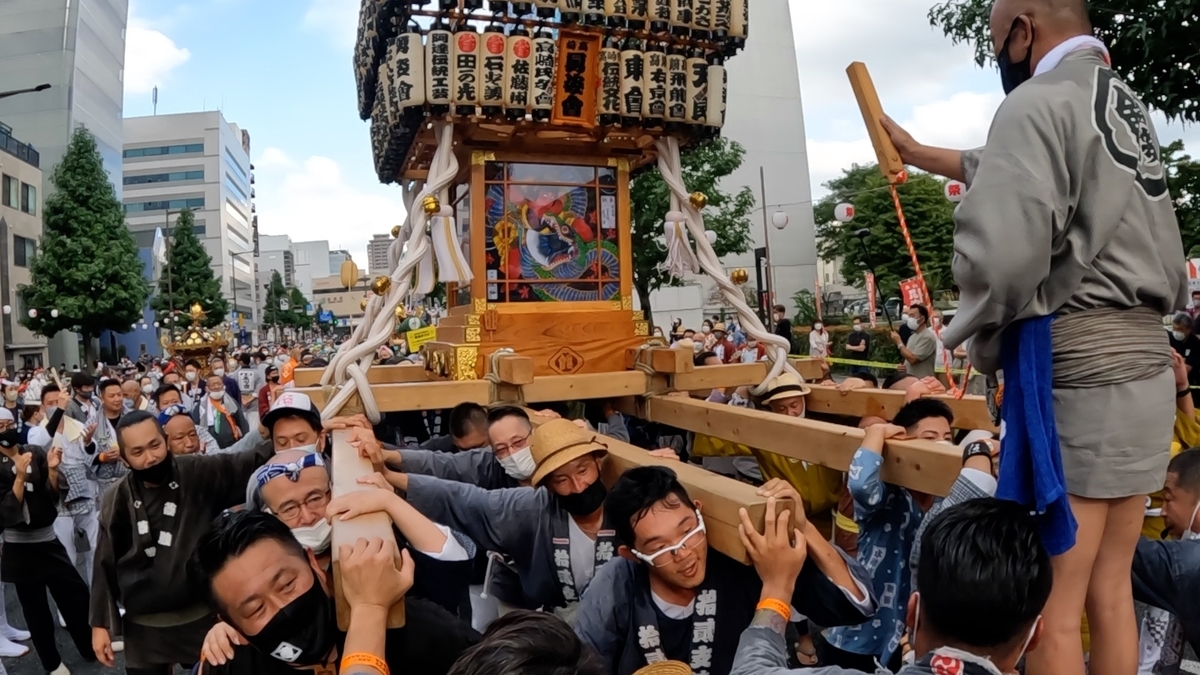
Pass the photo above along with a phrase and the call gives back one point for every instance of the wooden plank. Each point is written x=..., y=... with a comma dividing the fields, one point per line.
x=970, y=412
x=809, y=368
x=890, y=163
x=661, y=359
x=919, y=465
x=585, y=386
x=418, y=396
x=408, y=372
x=720, y=497
x=514, y=369
x=720, y=377
x=347, y=468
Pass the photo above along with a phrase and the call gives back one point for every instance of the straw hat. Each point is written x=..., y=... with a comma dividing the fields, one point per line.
x=786, y=385
x=719, y=327
x=559, y=442
x=666, y=668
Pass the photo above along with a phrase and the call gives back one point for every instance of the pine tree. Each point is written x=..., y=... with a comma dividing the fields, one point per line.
x=86, y=274
x=188, y=278
x=272, y=314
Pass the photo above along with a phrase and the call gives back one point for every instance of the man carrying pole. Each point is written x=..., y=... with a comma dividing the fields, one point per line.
x=1068, y=254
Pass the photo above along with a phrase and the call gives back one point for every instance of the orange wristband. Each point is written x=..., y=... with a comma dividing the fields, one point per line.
x=778, y=606
x=365, y=659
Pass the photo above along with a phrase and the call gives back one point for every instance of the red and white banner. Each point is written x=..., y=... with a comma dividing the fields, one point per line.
x=1193, y=272
x=871, y=308
x=910, y=293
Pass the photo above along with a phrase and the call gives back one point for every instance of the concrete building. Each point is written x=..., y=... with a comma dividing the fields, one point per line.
x=336, y=258
x=299, y=263
x=201, y=162
x=312, y=262
x=332, y=296
x=20, y=231
x=78, y=48
x=377, y=258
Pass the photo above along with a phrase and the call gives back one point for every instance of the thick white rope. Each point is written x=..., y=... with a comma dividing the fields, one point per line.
x=671, y=168
x=348, y=369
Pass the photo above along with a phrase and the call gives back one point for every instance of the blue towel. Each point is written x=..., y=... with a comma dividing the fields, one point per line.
x=1031, y=471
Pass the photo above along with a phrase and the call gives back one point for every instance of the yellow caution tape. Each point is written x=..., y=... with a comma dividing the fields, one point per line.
x=880, y=364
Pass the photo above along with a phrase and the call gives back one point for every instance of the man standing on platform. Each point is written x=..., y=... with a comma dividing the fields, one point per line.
x=1067, y=219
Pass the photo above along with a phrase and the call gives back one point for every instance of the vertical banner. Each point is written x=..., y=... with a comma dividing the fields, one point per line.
x=817, y=297
x=871, y=307
x=910, y=293
x=575, y=99
x=1193, y=275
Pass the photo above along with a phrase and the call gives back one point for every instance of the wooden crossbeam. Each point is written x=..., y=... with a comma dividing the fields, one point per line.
x=919, y=465
x=410, y=372
x=970, y=412
x=720, y=497
x=347, y=468
x=584, y=386
x=437, y=395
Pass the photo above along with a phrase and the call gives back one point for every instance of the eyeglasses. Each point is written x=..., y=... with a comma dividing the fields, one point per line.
x=315, y=503
x=691, y=541
x=504, y=448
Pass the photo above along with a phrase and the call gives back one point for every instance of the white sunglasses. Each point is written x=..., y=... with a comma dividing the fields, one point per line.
x=687, y=540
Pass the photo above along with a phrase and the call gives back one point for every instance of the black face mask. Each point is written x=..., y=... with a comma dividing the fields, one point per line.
x=303, y=632
x=158, y=474
x=1013, y=75
x=585, y=503
x=9, y=438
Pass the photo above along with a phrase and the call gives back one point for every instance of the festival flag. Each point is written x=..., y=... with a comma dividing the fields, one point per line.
x=910, y=293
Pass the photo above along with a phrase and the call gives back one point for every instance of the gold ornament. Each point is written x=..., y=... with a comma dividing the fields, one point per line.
x=363, y=304
x=401, y=312
x=698, y=200
x=349, y=273
x=395, y=232
x=431, y=205
x=381, y=284
x=739, y=276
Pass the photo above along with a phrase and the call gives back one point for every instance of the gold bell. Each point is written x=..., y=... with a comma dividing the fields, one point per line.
x=431, y=205
x=381, y=284
x=395, y=231
x=698, y=200
x=362, y=304
x=739, y=276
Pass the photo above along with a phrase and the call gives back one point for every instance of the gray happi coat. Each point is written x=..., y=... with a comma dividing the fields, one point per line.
x=1067, y=209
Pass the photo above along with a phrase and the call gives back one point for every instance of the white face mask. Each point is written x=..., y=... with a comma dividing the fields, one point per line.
x=10, y=396
x=818, y=326
x=1189, y=534
x=316, y=536
x=858, y=328
x=190, y=375
x=1178, y=335
x=216, y=395
x=147, y=389
x=519, y=464
x=302, y=448
x=911, y=323
x=220, y=372
x=749, y=354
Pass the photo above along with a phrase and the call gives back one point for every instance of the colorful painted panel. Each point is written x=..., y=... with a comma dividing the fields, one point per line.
x=551, y=233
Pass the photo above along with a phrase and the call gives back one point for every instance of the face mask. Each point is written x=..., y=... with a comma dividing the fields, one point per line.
x=1178, y=335
x=818, y=326
x=519, y=464
x=749, y=354
x=585, y=503
x=1013, y=75
x=273, y=378
x=9, y=438
x=315, y=536
x=281, y=360
x=190, y=375
x=51, y=410
x=158, y=474
x=312, y=447
x=303, y=632
x=912, y=323
x=10, y=396
x=912, y=637
x=1188, y=534
x=220, y=372
x=216, y=395
x=147, y=389
x=858, y=328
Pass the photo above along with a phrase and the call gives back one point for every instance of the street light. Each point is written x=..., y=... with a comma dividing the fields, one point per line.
x=41, y=87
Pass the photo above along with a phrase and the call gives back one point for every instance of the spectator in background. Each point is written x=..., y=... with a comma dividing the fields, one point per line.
x=818, y=341
x=267, y=394
x=1186, y=344
x=217, y=367
x=859, y=345
x=528, y=643
x=783, y=326
x=1194, y=305
x=468, y=430
x=918, y=351
x=722, y=346
x=249, y=380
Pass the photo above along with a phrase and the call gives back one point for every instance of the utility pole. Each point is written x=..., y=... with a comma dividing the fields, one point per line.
x=762, y=186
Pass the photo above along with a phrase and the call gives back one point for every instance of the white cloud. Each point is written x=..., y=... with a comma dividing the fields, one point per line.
x=150, y=56
x=314, y=199
x=337, y=20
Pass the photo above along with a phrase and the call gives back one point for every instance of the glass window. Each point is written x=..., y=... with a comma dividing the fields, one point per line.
x=173, y=204
x=29, y=199
x=163, y=177
x=10, y=191
x=165, y=150
x=23, y=251
x=551, y=233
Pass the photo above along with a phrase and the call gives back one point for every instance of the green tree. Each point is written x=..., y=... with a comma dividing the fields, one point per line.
x=1183, y=178
x=272, y=314
x=726, y=214
x=1153, y=45
x=87, y=265
x=187, y=277
x=297, y=305
x=930, y=218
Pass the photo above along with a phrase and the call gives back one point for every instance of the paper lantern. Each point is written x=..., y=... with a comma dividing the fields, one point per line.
x=541, y=89
x=716, y=95
x=437, y=71
x=616, y=13
x=711, y=237
x=465, y=79
x=655, y=109
x=739, y=18
x=54, y=313
x=681, y=17
x=492, y=73
x=638, y=12
x=518, y=49
x=844, y=212
x=408, y=70
x=779, y=219
x=677, y=106
x=697, y=89
x=633, y=84
x=954, y=190
x=546, y=8
x=608, y=100
x=33, y=313
x=8, y=309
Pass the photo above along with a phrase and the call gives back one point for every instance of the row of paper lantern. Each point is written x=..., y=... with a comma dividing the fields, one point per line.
x=954, y=191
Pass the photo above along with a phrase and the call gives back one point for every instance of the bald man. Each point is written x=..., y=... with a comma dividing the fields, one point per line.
x=1067, y=251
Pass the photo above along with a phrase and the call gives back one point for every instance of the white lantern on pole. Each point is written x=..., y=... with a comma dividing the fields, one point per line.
x=33, y=313
x=54, y=313
x=8, y=309
x=779, y=219
x=844, y=212
x=954, y=190
x=711, y=237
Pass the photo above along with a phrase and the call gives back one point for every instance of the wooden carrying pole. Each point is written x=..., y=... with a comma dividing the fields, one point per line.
x=890, y=163
x=348, y=467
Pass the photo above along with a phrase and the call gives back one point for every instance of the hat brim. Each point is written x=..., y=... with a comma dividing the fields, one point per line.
x=786, y=392
x=272, y=416
x=563, y=457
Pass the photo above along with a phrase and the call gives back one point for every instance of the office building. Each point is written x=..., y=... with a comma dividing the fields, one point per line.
x=336, y=258
x=20, y=230
x=78, y=48
x=201, y=162
x=377, y=254
x=332, y=296
x=312, y=262
x=299, y=263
